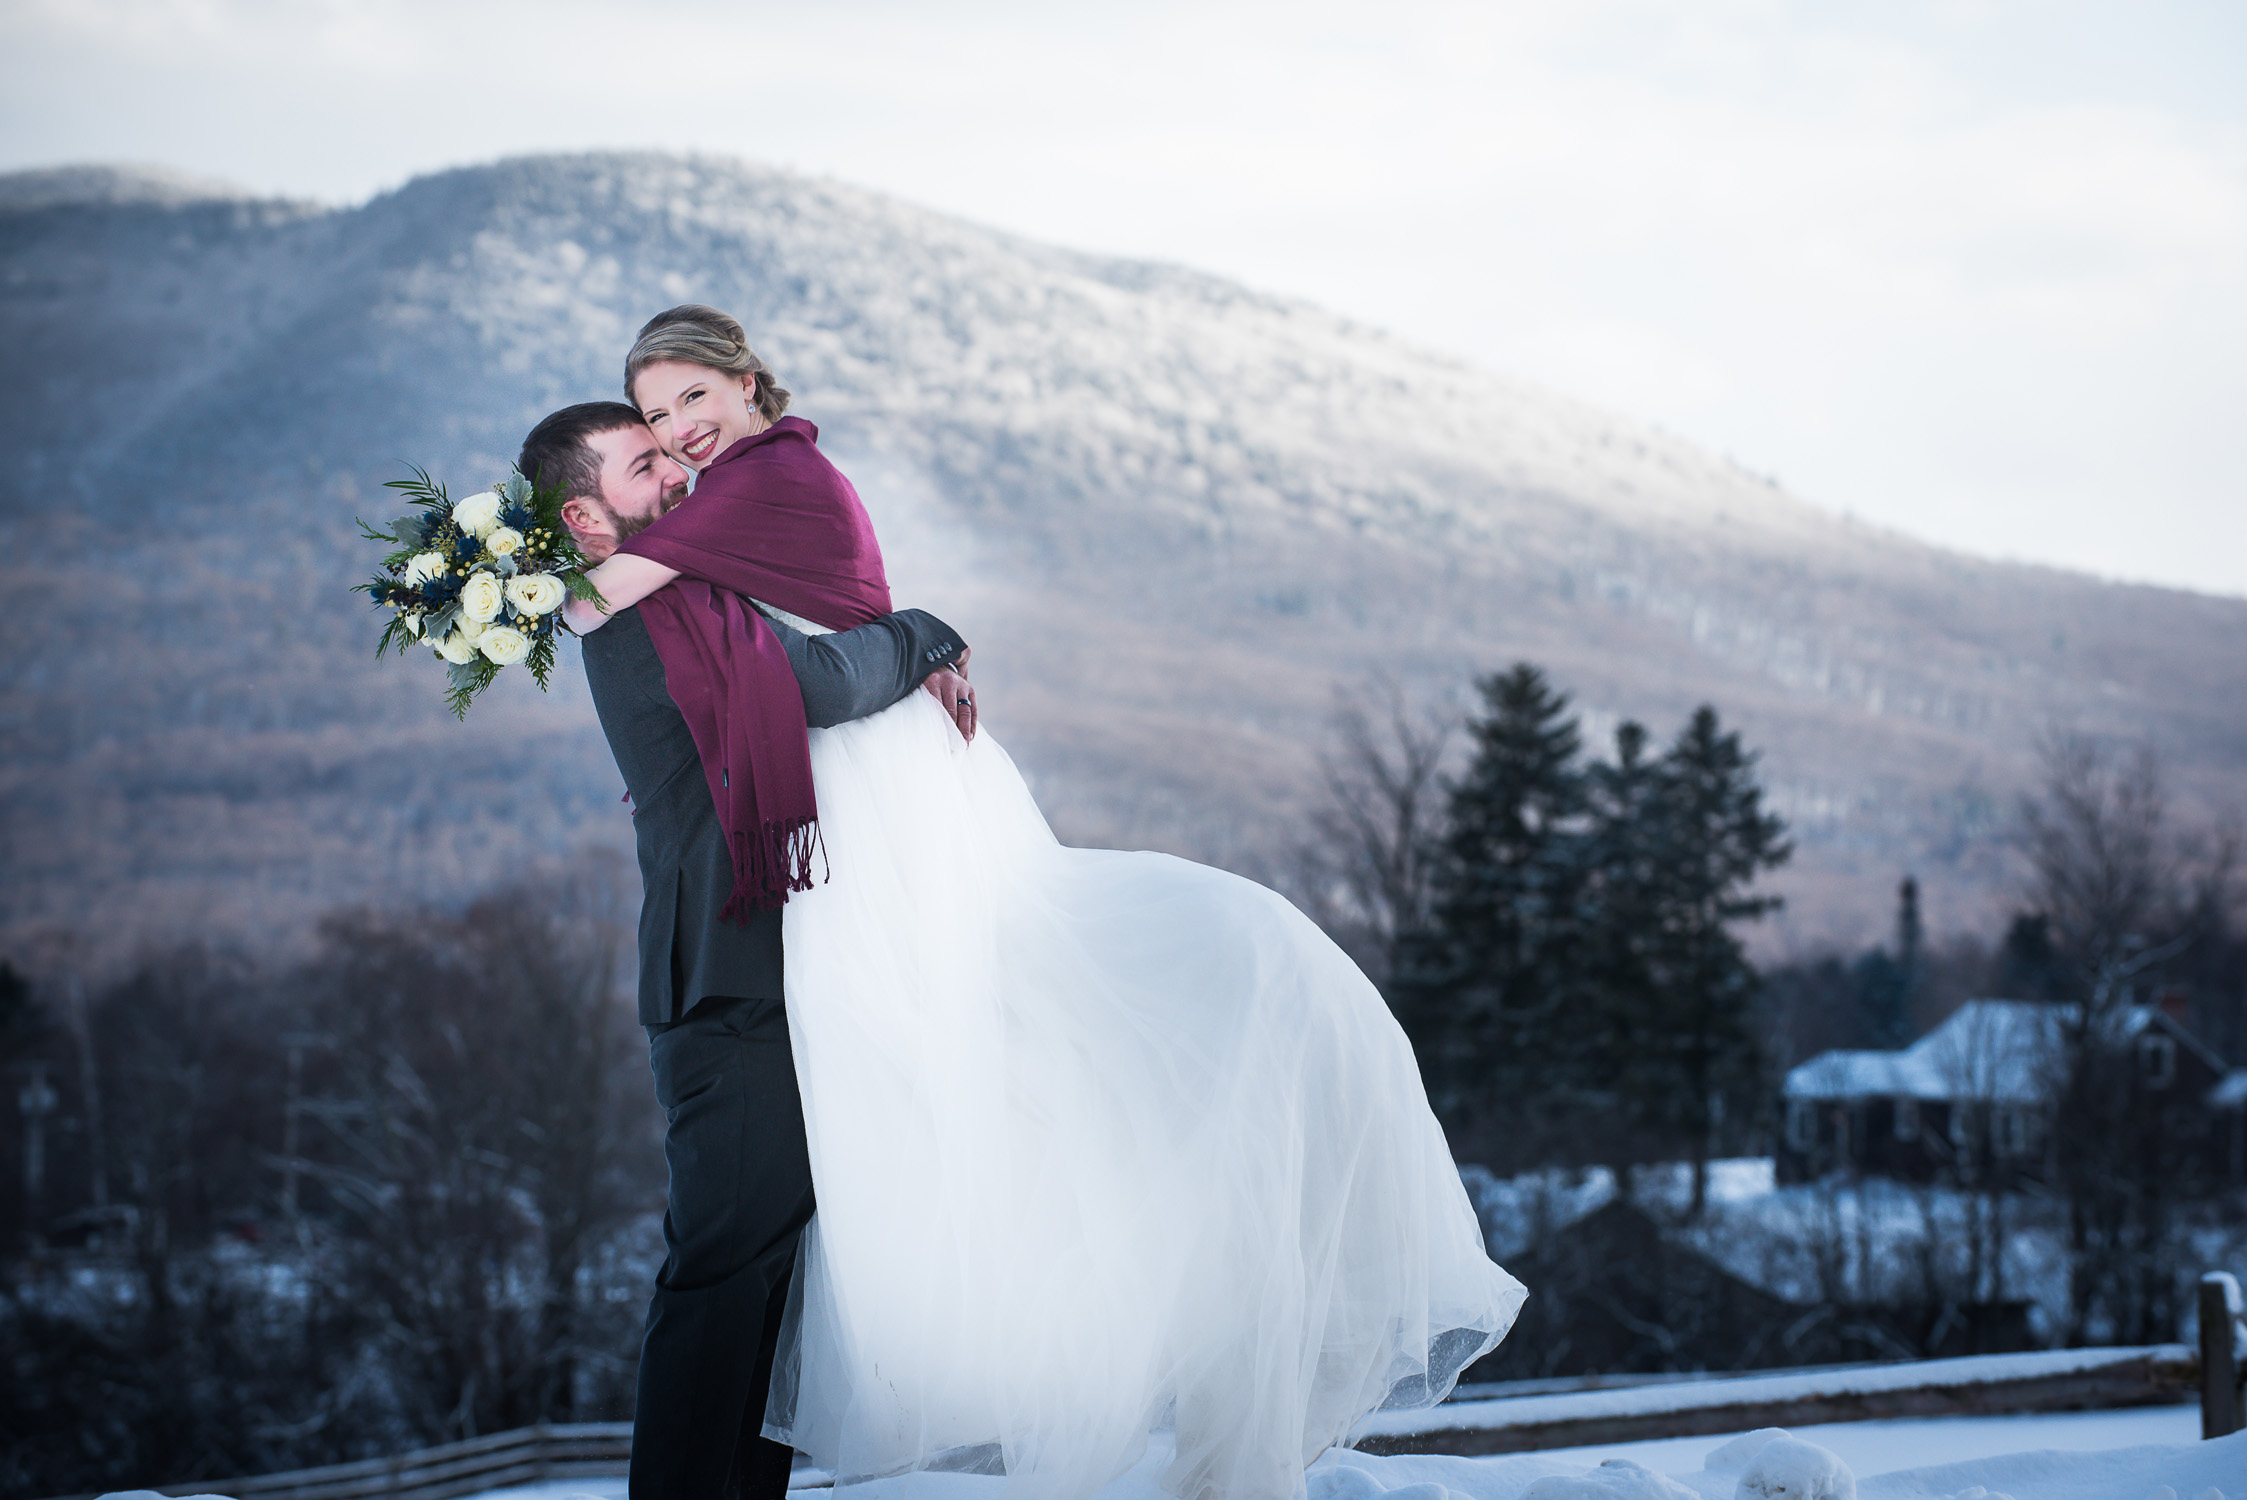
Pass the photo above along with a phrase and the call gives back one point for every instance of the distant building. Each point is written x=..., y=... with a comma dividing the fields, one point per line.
x=1972, y=1101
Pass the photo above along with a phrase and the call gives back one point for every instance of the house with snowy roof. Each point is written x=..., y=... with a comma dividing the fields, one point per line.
x=1972, y=1101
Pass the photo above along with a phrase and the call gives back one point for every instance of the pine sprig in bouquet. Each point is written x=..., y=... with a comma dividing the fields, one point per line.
x=481, y=580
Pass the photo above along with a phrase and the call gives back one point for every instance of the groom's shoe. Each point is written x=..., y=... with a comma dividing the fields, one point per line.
x=760, y=1468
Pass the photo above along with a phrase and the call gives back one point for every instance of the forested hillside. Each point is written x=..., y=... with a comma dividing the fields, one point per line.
x=1176, y=517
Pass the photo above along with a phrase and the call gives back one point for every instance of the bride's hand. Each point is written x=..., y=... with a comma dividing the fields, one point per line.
x=624, y=579
x=583, y=616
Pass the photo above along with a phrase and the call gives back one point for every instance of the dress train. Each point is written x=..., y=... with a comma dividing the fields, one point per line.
x=1103, y=1142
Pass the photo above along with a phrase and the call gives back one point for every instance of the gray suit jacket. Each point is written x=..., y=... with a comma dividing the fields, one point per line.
x=686, y=951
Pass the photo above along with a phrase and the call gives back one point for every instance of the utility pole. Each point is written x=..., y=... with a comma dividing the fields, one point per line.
x=292, y=1113
x=97, y=1139
x=297, y=1044
x=36, y=1100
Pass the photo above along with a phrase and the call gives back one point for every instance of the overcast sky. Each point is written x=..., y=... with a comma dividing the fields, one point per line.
x=1974, y=270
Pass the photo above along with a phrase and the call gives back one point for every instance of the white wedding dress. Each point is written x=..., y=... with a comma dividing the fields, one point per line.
x=1104, y=1143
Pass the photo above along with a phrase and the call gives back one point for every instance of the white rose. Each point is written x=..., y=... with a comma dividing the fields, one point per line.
x=424, y=566
x=469, y=630
x=480, y=597
x=456, y=648
x=504, y=541
x=413, y=622
x=504, y=645
x=536, y=593
x=477, y=514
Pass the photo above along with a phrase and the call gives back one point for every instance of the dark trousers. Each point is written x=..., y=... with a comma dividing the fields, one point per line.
x=740, y=1197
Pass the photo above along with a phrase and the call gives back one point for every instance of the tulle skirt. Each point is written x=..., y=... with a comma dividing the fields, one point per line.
x=1103, y=1143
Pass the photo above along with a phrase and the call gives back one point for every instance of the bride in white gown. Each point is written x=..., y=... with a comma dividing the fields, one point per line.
x=1103, y=1143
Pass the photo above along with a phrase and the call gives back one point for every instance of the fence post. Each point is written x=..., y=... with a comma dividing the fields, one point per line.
x=2220, y=1323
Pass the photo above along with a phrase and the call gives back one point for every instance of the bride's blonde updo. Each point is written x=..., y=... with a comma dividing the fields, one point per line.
x=702, y=336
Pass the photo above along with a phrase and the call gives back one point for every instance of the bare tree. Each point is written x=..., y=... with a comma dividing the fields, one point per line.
x=1367, y=873
x=484, y=1126
x=155, y=1336
x=1998, y=1065
x=446, y=1115
x=2103, y=872
x=2116, y=893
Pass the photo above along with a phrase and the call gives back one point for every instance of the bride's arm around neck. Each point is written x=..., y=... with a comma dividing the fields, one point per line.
x=624, y=580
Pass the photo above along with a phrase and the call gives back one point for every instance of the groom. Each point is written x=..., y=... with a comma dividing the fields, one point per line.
x=711, y=991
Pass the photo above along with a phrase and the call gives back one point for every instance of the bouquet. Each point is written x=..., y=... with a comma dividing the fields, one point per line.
x=481, y=579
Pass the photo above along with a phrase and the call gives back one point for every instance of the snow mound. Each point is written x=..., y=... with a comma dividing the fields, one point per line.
x=1343, y=1474
x=1616, y=1479
x=1330, y=1480
x=1773, y=1464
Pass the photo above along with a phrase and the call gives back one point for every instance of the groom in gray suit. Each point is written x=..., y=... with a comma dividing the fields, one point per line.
x=710, y=991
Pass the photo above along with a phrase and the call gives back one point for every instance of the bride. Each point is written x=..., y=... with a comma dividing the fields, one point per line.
x=1104, y=1143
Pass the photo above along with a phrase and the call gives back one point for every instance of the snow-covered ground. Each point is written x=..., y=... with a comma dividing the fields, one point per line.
x=1872, y=1448
x=2125, y=1455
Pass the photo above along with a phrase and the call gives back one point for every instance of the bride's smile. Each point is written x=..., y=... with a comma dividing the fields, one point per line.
x=696, y=412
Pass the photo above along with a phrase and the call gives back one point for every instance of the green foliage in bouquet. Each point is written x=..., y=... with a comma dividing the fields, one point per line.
x=480, y=580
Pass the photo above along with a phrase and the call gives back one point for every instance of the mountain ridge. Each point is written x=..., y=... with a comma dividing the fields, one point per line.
x=1177, y=515
x=114, y=184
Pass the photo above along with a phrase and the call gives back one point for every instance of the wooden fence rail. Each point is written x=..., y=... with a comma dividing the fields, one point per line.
x=527, y=1455
x=2062, y=1380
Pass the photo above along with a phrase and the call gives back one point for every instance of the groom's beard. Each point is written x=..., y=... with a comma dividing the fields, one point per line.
x=628, y=527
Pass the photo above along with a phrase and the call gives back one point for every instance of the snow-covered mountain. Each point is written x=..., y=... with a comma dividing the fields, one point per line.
x=1176, y=516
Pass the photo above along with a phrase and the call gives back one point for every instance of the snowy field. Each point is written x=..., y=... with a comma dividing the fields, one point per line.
x=1871, y=1448
x=2118, y=1455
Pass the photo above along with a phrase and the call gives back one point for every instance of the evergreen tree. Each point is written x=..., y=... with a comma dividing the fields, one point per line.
x=1578, y=968
x=1481, y=991
x=1625, y=907
x=1694, y=1057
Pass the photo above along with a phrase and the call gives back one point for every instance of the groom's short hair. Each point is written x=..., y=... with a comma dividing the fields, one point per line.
x=555, y=455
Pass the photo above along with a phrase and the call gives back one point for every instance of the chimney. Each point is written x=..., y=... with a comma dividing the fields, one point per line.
x=2173, y=1001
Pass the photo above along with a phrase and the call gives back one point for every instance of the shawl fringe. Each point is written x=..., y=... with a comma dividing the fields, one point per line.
x=770, y=863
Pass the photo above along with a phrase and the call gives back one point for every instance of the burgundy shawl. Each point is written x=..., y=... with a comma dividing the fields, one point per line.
x=770, y=519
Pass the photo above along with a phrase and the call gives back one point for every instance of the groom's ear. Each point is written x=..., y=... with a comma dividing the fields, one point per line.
x=589, y=526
